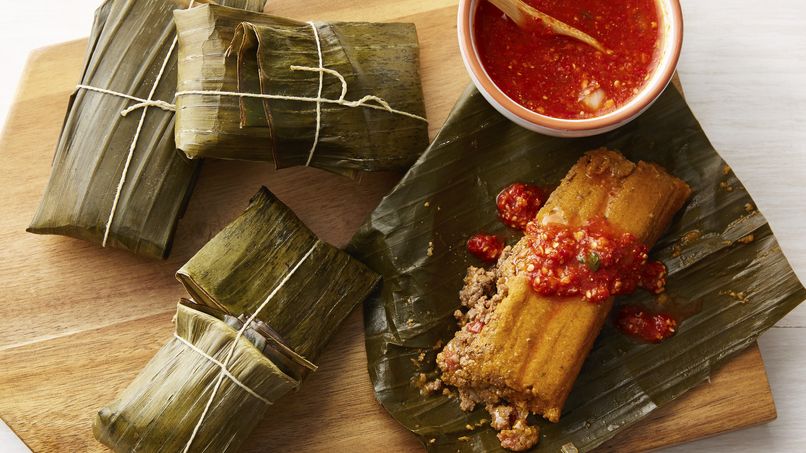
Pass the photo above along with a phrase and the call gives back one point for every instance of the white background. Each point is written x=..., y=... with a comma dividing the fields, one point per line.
x=744, y=71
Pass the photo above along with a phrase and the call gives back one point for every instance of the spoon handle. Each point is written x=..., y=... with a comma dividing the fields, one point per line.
x=521, y=13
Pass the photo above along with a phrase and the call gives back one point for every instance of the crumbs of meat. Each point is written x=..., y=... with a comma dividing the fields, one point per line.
x=739, y=296
x=426, y=386
x=479, y=298
x=513, y=430
x=569, y=448
x=684, y=241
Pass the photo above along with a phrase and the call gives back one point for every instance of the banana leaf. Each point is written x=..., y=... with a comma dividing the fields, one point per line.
x=127, y=48
x=375, y=59
x=248, y=261
x=266, y=264
x=161, y=407
x=416, y=240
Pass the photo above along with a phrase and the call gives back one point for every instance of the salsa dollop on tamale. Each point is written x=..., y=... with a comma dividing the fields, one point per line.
x=529, y=322
x=564, y=78
x=594, y=261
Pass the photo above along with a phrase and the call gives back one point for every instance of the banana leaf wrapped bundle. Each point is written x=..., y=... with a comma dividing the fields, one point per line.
x=268, y=296
x=238, y=269
x=416, y=239
x=119, y=181
x=342, y=96
x=146, y=417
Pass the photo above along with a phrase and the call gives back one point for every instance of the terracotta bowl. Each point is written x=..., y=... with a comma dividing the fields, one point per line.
x=671, y=26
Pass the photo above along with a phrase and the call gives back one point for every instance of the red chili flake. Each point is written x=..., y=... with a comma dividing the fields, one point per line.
x=475, y=326
x=451, y=361
x=518, y=204
x=640, y=323
x=593, y=261
x=485, y=247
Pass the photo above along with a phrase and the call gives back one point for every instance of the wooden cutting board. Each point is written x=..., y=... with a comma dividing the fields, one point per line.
x=79, y=322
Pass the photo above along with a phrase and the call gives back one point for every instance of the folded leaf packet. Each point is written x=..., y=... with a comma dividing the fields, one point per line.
x=268, y=296
x=341, y=96
x=246, y=262
x=119, y=180
x=160, y=408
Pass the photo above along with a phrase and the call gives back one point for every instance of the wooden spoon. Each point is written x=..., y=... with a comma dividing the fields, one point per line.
x=523, y=15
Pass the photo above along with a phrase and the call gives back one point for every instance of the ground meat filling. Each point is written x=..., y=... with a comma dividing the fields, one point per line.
x=479, y=297
x=514, y=432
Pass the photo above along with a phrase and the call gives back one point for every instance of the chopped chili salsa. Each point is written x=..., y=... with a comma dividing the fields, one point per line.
x=485, y=247
x=561, y=77
x=593, y=261
x=518, y=204
x=640, y=323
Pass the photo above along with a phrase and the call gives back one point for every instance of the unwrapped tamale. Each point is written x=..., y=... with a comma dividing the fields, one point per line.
x=268, y=55
x=531, y=347
x=268, y=275
x=127, y=49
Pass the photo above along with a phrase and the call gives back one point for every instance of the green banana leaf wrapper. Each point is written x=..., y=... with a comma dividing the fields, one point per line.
x=375, y=59
x=265, y=263
x=247, y=262
x=416, y=240
x=161, y=407
x=127, y=48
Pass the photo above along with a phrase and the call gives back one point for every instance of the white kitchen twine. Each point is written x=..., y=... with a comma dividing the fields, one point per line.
x=135, y=139
x=223, y=368
x=368, y=101
x=225, y=365
x=318, y=93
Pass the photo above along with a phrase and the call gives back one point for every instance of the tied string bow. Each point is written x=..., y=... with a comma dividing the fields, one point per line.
x=368, y=101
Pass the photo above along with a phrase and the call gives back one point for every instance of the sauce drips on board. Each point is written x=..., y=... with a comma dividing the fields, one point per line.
x=485, y=247
x=518, y=204
x=645, y=325
x=561, y=77
x=593, y=261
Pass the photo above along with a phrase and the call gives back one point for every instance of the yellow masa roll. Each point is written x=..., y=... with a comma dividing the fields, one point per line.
x=532, y=347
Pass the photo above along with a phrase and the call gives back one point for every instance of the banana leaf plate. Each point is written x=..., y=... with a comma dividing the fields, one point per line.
x=726, y=271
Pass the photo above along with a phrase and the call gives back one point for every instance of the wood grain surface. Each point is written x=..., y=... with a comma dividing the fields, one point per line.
x=81, y=321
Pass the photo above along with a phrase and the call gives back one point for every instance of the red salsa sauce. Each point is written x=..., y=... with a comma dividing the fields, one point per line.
x=561, y=77
x=485, y=247
x=645, y=325
x=593, y=261
x=518, y=204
